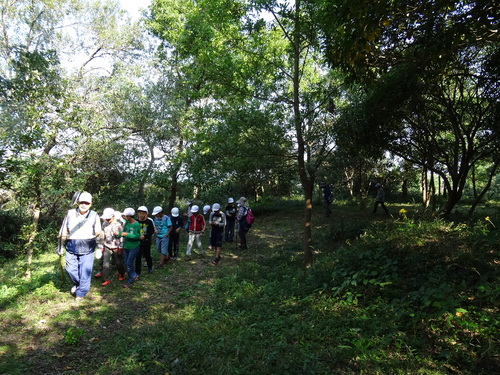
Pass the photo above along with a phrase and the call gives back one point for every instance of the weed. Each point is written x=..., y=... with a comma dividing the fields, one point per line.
x=73, y=335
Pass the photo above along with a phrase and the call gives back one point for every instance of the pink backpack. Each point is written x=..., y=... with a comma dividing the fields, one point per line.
x=249, y=217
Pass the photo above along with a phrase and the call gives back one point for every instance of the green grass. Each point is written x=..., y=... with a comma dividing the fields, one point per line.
x=386, y=295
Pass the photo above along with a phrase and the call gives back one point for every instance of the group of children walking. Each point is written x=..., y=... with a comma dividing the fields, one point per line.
x=124, y=239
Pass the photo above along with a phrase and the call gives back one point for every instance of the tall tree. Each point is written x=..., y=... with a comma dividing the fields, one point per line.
x=244, y=56
x=435, y=98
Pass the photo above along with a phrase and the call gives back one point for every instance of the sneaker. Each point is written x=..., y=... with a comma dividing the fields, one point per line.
x=136, y=278
x=73, y=290
x=121, y=277
x=216, y=261
x=174, y=258
x=79, y=299
x=98, y=274
x=150, y=270
x=106, y=283
x=127, y=286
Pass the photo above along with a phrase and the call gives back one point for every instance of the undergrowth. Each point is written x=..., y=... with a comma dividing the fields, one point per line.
x=386, y=295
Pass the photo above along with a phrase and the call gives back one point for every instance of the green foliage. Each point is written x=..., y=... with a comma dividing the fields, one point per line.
x=73, y=335
x=11, y=244
x=393, y=296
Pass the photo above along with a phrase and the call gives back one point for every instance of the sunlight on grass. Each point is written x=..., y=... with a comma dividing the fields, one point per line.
x=392, y=296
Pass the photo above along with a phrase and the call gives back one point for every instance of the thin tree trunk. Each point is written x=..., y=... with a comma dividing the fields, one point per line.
x=480, y=196
x=425, y=188
x=32, y=235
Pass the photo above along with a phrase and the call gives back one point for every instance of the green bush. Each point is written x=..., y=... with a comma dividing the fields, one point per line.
x=10, y=230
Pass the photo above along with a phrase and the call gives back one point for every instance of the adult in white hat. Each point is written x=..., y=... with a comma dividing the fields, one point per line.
x=81, y=232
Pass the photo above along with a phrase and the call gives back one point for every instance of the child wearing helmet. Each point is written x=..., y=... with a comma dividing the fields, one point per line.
x=196, y=230
x=147, y=232
x=163, y=230
x=217, y=221
x=173, y=243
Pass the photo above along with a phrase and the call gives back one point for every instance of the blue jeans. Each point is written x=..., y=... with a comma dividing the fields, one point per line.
x=129, y=259
x=79, y=268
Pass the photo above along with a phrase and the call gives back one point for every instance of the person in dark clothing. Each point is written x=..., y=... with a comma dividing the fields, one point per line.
x=243, y=226
x=147, y=231
x=380, y=198
x=231, y=212
x=327, y=198
x=217, y=221
x=177, y=224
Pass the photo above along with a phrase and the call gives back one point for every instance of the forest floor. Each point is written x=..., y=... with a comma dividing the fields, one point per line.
x=119, y=331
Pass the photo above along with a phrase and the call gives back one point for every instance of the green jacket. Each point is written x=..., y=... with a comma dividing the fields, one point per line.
x=133, y=238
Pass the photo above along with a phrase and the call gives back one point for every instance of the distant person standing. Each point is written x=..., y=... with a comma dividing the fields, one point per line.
x=147, y=232
x=163, y=227
x=327, y=198
x=80, y=232
x=243, y=226
x=217, y=221
x=380, y=198
x=231, y=212
x=196, y=229
x=173, y=243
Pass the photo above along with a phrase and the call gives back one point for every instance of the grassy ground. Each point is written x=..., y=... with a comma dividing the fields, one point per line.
x=383, y=297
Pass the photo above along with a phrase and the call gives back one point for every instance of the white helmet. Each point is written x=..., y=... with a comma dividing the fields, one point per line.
x=157, y=210
x=85, y=197
x=230, y=200
x=195, y=209
x=175, y=212
x=216, y=207
x=143, y=208
x=206, y=208
x=129, y=212
x=108, y=213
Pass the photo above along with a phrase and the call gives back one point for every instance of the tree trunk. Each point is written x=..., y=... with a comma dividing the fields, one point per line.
x=480, y=196
x=474, y=185
x=32, y=235
x=432, y=191
x=404, y=188
x=306, y=180
x=173, y=190
x=425, y=188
